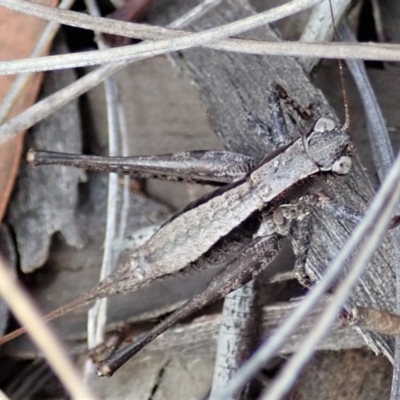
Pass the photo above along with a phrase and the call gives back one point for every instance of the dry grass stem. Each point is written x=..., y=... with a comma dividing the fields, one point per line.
x=186, y=41
x=23, y=308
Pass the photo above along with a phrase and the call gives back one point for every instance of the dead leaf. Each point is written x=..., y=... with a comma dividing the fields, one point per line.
x=18, y=36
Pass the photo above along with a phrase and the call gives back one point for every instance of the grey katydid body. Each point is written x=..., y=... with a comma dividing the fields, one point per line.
x=190, y=234
x=185, y=238
x=255, y=255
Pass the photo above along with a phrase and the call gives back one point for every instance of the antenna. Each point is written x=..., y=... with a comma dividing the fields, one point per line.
x=341, y=72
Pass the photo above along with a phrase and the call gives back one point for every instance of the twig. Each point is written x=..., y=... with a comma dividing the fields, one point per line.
x=151, y=49
x=28, y=315
x=50, y=104
x=363, y=51
x=143, y=50
x=140, y=31
x=145, y=32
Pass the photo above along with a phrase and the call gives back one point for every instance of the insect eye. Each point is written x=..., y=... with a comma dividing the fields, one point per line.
x=324, y=125
x=342, y=166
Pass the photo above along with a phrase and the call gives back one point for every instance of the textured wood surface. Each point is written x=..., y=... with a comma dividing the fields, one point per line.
x=44, y=200
x=198, y=337
x=355, y=375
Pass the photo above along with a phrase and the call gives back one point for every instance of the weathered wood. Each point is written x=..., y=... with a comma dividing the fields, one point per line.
x=199, y=337
x=239, y=334
x=232, y=87
x=159, y=378
x=44, y=200
x=356, y=375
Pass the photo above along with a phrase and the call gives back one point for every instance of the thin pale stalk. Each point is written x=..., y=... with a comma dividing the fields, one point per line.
x=29, y=316
x=140, y=31
x=368, y=51
x=363, y=51
x=190, y=40
x=123, y=128
x=45, y=107
x=52, y=103
x=97, y=315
